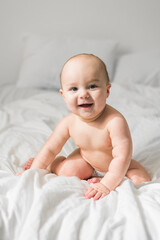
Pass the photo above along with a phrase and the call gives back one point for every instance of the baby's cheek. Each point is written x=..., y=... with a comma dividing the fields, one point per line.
x=71, y=107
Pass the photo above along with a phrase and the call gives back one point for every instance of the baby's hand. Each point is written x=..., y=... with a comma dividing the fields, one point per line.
x=97, y=191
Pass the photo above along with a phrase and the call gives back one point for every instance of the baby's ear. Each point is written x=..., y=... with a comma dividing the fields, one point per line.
x=61, y=92
x=108, y=89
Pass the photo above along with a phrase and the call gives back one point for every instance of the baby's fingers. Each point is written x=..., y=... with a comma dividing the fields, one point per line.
x=103, y=195
x=97, y=196
x=89, y=190
x=90, y=193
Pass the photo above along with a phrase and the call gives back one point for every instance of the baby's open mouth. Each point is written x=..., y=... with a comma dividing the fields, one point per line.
x=85, y=105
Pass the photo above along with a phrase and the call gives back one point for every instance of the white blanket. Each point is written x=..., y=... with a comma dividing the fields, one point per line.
x=43, y=206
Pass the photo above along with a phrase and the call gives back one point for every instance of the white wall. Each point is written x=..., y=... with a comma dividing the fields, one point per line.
x=135, y=23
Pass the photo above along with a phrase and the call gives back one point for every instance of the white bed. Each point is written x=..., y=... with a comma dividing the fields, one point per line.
x=42, y=206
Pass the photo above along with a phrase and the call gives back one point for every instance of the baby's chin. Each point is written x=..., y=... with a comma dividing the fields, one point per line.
x=90, y=118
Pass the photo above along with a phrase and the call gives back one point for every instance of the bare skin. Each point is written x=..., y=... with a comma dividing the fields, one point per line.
x=100, y=132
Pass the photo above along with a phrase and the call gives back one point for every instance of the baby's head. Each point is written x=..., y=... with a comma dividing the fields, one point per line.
x=85, y=86
x=93, y=60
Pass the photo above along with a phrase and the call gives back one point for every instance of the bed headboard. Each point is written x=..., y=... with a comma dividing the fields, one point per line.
x=134, y=23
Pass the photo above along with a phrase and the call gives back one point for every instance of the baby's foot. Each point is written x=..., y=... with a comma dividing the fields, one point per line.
x=94, y=180
x=28, y=164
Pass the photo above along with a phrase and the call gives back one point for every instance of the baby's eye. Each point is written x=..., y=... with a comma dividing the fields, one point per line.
x=92, y=86
x=74, y=89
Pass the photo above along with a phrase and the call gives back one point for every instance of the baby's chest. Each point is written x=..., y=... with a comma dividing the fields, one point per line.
x=91, y=138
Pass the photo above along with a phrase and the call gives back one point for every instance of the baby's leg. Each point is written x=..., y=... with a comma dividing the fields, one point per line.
x=30, y=160
x=73, y=165
x=57, y=162
x=137, y=173
x=96, y=177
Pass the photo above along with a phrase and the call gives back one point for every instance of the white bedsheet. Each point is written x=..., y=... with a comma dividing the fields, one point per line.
x=43, y=206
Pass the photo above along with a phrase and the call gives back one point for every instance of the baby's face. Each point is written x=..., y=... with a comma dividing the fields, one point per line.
x=84, y=87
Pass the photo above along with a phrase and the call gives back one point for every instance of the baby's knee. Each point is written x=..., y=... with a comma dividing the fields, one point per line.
x=140, y=179
x=137, y=180
x=57, y=164
x=73, y=167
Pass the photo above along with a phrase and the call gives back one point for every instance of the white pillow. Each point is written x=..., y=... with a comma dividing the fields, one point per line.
x=44, y=57
x=143, y=68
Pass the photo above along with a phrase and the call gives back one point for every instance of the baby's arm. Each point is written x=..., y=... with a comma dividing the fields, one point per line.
x=53, y=145
x=122, y=153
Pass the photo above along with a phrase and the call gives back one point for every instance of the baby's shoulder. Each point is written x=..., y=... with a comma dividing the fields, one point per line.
x=64, y=125
x=68, y=119
x=113, y=113
x=115, y=118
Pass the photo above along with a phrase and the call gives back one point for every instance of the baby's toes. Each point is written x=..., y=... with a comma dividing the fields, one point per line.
x=28, y=164
x=93, y=180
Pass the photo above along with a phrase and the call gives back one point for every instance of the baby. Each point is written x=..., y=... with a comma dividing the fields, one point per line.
x=100, y=132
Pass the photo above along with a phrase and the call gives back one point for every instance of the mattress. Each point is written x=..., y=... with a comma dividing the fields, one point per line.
x=40, y=205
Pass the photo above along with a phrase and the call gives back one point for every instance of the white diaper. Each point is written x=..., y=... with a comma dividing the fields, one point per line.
x=96, y=173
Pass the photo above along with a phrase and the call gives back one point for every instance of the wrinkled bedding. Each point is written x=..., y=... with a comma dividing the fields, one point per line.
x=41, y=206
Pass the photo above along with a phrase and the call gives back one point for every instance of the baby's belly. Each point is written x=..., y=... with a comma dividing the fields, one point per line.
x=98, y=160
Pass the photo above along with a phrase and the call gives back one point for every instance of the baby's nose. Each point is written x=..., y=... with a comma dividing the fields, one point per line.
x=84, y=94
